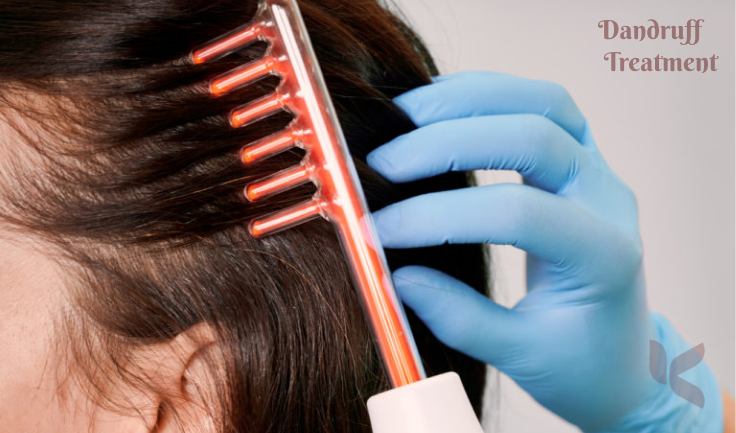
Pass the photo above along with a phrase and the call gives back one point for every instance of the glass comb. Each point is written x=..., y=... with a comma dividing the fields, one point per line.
x=327, y=163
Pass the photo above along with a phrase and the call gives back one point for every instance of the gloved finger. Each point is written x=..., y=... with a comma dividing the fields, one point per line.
x=551, y=227
x=463, y=74
x=486, y=93
x=459, y=316
x=545, y=154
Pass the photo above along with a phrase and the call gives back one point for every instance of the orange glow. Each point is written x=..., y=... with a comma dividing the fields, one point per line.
x=327, y=163
x=277, y=183
x=257, y=110
x=267, y=147
x=227, y=44
x=243, y=76
x=285, y=219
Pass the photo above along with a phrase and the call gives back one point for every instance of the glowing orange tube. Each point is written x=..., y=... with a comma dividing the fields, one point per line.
x=268, y=146
x=279, y=182
x=243, y=76
x=257, y=110
x=390, y=328
x=227, y=44
x=285, y=219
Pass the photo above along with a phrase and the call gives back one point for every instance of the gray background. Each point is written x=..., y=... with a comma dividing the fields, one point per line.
x=669, y=135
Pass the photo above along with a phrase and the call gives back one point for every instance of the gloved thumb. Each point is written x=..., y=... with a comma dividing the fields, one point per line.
x=459, y=316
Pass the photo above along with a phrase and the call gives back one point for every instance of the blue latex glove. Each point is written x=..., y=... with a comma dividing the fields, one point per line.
x=579, y=341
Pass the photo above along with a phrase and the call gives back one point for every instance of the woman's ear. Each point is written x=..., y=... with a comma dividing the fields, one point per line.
x=184, y=373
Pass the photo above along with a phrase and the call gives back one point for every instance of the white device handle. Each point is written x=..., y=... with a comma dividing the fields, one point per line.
x=435, y=405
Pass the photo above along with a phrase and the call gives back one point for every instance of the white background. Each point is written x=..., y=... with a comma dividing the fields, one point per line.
x=669, y=135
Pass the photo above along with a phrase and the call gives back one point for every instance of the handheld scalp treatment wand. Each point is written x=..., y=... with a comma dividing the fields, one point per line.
x=416, y=404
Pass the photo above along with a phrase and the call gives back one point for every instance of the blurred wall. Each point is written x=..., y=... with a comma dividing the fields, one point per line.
x=669, y=135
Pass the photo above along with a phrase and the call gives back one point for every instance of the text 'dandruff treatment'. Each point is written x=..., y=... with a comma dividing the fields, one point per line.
x=688, y=34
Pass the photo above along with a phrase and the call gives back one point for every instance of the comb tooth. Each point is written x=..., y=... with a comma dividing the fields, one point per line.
x=257, y=110
x=269, y=146
x=226, y=45
x=285, y=219
x=243, y=76
x=279, y=182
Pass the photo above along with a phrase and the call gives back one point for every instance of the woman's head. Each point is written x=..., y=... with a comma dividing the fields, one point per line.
x=132, y=297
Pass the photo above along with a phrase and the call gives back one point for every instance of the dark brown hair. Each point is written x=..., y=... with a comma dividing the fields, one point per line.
x=131, y=171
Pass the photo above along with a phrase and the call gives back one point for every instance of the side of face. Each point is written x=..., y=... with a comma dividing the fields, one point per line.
x=36, y=394
x=30, y=300
x=40, y=390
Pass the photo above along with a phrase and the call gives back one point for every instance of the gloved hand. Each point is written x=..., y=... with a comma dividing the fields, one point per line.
x=579, y=341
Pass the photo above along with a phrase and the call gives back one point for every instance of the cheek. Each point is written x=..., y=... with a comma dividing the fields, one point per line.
x=29, y=299
x=25, y=375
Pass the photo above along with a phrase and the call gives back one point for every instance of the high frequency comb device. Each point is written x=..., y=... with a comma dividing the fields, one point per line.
x=339, y=199
x=327, y=163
